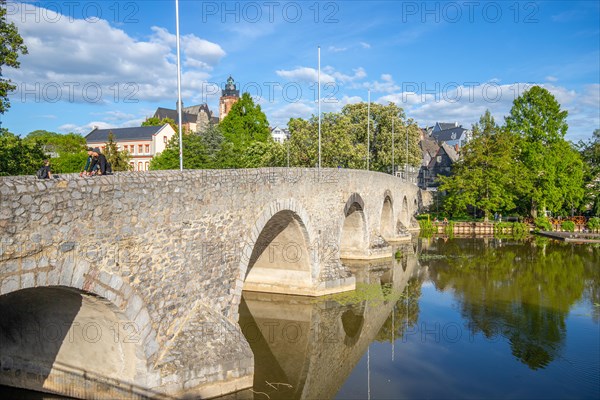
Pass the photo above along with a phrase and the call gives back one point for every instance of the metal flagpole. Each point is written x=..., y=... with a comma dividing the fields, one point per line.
x=393, y=171
x=319, y=100
x=407, y=153
x=179, y=111
x=368, y=127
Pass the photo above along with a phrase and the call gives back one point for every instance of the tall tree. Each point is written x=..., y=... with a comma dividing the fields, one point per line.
x=486, y=176
x=338, y=149
x=244, y=124
x=11, y=44
x=194, y=154
x=212, y=140
x=540, y=125
x=119, y=160
x=380, y=140
x=154, y=121
x=18, y=157
x=590, y=153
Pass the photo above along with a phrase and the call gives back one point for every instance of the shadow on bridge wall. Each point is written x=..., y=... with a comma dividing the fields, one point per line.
x=62, y=340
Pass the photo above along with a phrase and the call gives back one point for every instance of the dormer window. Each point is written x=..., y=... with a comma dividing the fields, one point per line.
x=453, y=136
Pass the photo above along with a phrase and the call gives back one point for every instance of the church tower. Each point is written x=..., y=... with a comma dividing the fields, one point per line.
x=229, y=96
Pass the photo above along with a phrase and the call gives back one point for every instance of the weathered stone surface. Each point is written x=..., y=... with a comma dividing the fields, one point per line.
x=172, y=251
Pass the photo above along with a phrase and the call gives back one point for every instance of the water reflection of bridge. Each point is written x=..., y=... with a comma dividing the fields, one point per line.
x=305, y=349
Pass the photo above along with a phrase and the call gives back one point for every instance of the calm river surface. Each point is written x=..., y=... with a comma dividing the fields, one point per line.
x=447, y=318
x=454, y=318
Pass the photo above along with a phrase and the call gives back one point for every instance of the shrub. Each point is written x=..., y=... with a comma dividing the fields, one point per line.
x=426, y=227
x=594, y=224
x=520, y=229
x=568, y=226
x=449, y=228
x=542, y=224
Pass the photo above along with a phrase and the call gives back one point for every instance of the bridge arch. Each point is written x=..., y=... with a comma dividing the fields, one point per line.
x=405, y=216
x=386, y=224
x=278, y=256
x=58, y=338
x=354, y=234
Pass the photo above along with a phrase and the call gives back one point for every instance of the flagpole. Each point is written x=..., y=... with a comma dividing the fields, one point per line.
x=179, y=111
x=393, y=172
x=368, y=127
x=319, y=99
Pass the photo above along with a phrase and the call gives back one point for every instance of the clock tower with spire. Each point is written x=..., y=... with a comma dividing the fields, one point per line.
x=229, y=96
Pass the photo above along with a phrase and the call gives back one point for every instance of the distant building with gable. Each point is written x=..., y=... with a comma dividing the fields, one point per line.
x=197, y=118
x=451, y=133
x=142, y=142
x=440, y=146
x=194, y=119
x=279, y=134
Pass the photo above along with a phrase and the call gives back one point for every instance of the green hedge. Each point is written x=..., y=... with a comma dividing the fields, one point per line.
x=594, y=224
x=568, y=226
x=542, y=224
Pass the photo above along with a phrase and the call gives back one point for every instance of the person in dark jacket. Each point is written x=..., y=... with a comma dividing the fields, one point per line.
x=99, y=163
x=88, y=162
x=45, y=171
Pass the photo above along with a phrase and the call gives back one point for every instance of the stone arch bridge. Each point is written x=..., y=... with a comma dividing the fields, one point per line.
x=130, y=285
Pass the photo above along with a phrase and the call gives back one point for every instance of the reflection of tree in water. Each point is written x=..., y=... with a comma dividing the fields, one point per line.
x=522, y=291
x=404, y=315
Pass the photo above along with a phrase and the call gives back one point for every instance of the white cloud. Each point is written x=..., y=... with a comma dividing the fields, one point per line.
x=466, y=104
x=551, y=78
x=334, y=49
x=304, y=74
x=365, y=45
x=328, y=74
x=70, y=55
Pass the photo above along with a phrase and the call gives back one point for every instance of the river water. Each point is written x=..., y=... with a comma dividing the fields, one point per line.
x=450, y=318
x=445, y=318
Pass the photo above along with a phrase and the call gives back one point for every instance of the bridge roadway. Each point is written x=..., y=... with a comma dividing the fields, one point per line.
x=114, y=286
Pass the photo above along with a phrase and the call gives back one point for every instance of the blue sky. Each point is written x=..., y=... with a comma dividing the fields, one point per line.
x=112, y=63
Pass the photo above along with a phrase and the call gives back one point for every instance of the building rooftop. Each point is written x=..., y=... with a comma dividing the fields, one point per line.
x=134, y=133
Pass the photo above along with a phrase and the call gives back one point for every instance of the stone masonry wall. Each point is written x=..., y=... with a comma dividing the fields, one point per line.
x=162, y=246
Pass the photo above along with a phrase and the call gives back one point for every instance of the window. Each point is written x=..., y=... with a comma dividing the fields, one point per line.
x=140, y=166
x=132, y=166
x=140, y=148
x=439, y=159
x=147, y=149
x=164, y=139
x=146, y=166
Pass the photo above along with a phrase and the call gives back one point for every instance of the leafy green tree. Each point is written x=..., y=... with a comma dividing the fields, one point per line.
x=70, y=149
x=18, y=157
x=486, y=176
x=11, y=44
x=69, y=162
x=195, y=155
x=380, y=143
x=590, y=153
x=540, y=125
x=338, y=149
x=244, y=124
x=212, y=139
x=263, y=154
x=119, y=160
x=154, y=121
x=53, y=142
